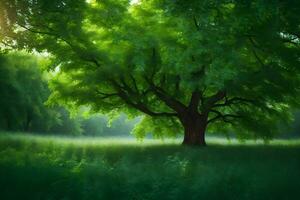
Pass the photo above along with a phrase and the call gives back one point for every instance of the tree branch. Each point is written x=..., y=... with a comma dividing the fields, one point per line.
x=254, y=52
x=196, y=23
x=166, y=98
x=212, y=100
x=234, y=100
x=106, y=95
x=195, y=100
x=126, y=96
x=134, y=83
x=57, y=36
x=223, y=117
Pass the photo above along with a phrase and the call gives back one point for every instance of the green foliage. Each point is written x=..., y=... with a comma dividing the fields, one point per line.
x=23, y=93
x=294, y=131
x=159, y=128
x=66, y=125
x=63, y=168
x=100, y=125
x=240, y=59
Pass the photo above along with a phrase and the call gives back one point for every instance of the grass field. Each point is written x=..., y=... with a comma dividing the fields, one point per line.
x=35, y=167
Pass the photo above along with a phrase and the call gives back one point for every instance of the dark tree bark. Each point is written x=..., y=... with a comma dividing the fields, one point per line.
x=27, y=122
x=194, y=129
x=8, y=124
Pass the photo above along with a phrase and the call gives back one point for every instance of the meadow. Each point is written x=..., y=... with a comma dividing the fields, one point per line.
x=48, y=167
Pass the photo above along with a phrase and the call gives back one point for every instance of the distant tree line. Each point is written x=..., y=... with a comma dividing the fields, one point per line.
x=24, y=91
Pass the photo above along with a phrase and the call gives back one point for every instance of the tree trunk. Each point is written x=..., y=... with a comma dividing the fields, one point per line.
x=194, y=129
x=8, y=124
x=27, y=123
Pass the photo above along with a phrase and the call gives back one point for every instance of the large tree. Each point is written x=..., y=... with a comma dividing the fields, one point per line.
x=192, y=64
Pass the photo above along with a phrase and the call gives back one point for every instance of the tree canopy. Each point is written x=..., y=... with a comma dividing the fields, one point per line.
x=191, y=65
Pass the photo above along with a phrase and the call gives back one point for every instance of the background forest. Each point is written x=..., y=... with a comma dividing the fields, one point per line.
x=23, y=104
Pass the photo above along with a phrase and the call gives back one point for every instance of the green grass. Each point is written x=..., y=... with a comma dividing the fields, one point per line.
x=43, y=167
